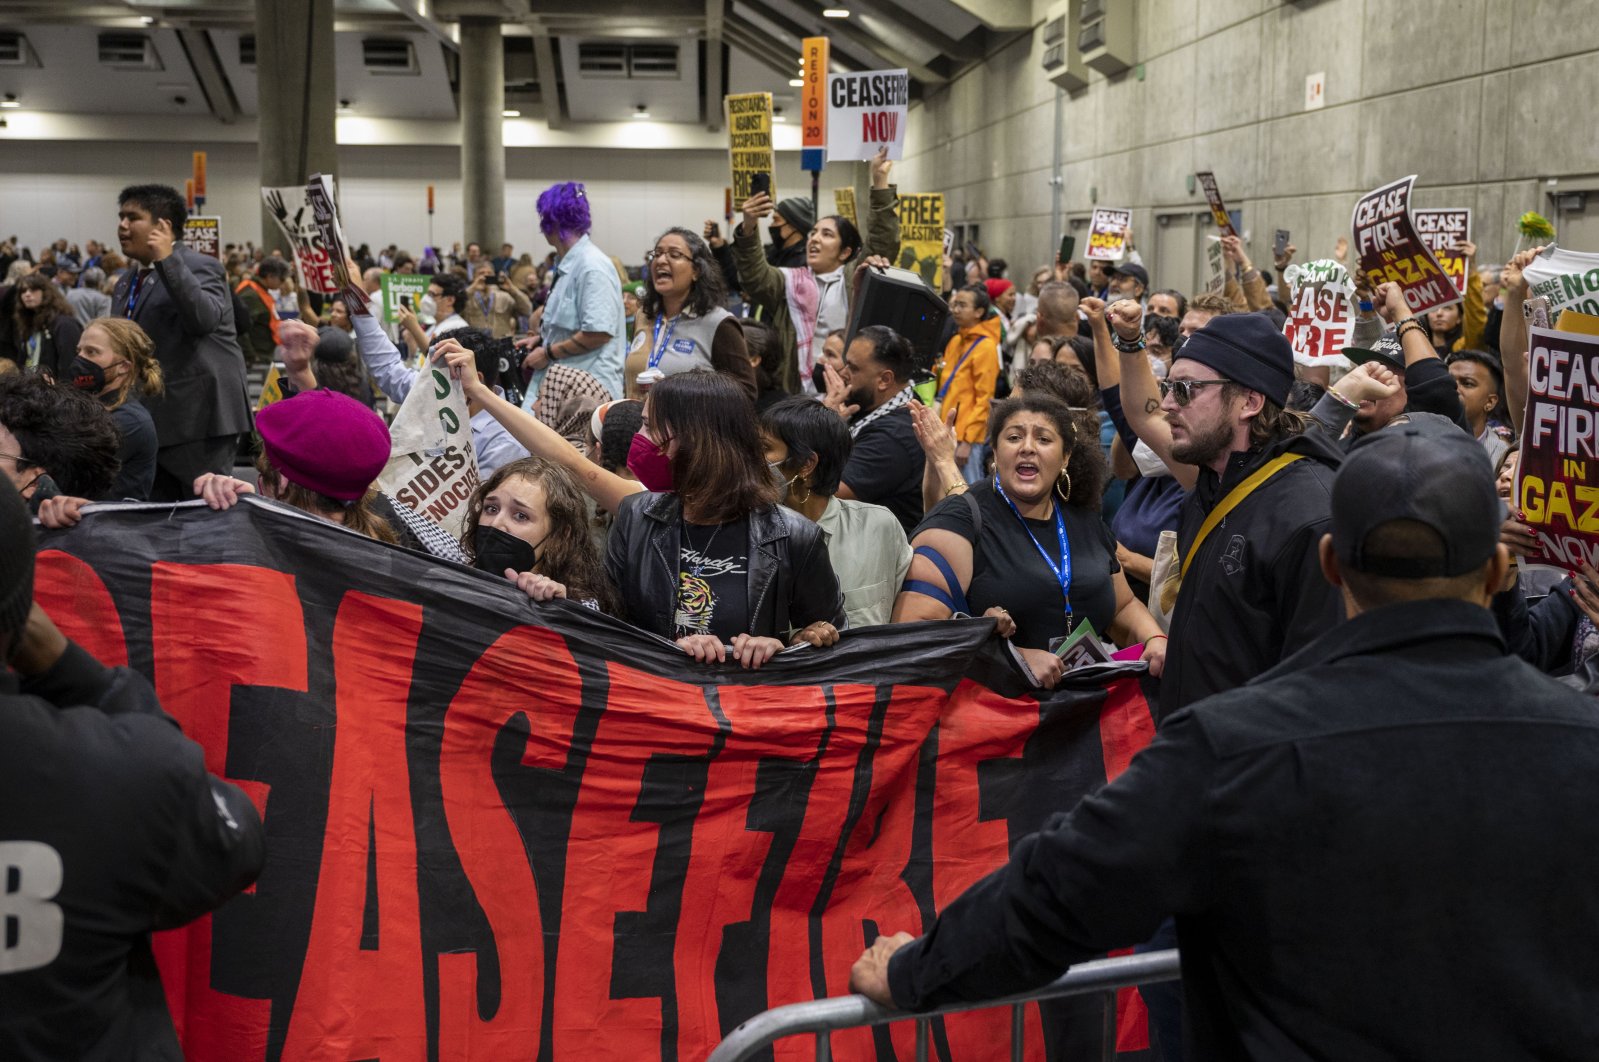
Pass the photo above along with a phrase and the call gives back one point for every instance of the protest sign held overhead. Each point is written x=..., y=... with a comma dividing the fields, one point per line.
x=271, y=388
x=402, y=289
x=325, y=211
x=1557, y=479
x=1389, y=250
x=921, y=229
x=203, y=235
x=432, y=467
x=1107, y=233
x=749, y=138
x=865, y=113
x=292, y=210
x=1215, y=265
x=1321, y=319
x=1568, y=279
x=844, y=203
x=492, y=824
x=1442, y=230
x=199, y=177
x=1218, y=209
x=813, y=104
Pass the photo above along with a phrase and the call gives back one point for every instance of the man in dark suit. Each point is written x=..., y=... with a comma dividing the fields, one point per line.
x=181, y=299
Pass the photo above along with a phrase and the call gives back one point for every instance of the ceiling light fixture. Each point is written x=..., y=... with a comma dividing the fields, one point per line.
x=510, y=114
x=836, y=12
x=779, y=117
x=641, y=113
x=796, y=82
x=148, y=20
x=10, y=102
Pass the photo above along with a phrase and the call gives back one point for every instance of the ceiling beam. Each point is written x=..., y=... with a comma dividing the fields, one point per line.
x=852, y=58
x=922, y=29
x=1004, y=15
x=549, y=82
x=893, y=56
x=416, y=12
x=757, y=44
x=207, y=68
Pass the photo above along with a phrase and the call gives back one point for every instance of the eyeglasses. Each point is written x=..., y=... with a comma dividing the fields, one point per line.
x=22, y=462
x=1184, y=390
x=671, y=254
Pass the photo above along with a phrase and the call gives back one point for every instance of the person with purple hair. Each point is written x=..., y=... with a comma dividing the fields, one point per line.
x=584, y=325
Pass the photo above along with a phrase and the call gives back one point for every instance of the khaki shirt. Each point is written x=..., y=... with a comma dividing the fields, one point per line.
x=870, y=556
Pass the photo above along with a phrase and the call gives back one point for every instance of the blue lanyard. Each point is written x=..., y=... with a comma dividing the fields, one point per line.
x=134, y=292
x=942, y=391
x=661, y=344
x=1063, y=570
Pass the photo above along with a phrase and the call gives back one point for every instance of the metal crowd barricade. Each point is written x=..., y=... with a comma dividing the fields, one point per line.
x=823, y=1016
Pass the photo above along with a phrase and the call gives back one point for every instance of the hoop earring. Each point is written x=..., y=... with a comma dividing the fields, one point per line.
x=1066, y=493
x=802, y=501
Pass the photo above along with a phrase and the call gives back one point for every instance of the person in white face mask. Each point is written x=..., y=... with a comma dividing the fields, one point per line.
x=436, y=314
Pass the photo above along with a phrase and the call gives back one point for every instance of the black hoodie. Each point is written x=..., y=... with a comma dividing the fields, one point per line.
x=1254, y=593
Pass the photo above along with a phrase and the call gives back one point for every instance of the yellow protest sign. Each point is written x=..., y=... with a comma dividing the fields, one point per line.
x=921, y=236
x=271, y=390
x=844, y=203
x=749, y=135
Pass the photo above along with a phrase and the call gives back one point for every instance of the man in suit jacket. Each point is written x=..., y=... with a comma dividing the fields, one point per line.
x=181, y=299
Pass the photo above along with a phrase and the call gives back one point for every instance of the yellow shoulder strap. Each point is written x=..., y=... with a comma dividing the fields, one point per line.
x=1234, y=498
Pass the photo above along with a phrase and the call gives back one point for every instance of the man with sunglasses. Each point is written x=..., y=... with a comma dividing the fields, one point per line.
x=1259, y=484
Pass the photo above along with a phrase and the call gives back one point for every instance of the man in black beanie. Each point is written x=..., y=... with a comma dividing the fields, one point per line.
x=1251, y=591
x=110, y=828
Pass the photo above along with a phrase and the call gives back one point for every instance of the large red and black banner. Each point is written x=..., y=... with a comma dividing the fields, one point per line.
x=502, y=830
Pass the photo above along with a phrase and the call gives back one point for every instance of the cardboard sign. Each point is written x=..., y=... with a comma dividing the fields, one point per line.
x=749, y=140
x=921, y=236
x=271, y=388
x=292, y=211
x=1568, y=279
x=844, y=203
x=813, y=104
x=1215, y=266
x=403, y=288
x=1107, y=234
x=1557, y=478
x=432, y=468
x=1321, y=317
x=1218, y=209
x=204, y=235
x=1441, y=230
x=1389, y=249
x=491, y=824
x=866, y=112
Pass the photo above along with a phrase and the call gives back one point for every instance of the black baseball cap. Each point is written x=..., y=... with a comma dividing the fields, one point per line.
x=1426, y=470
x=1134, y=270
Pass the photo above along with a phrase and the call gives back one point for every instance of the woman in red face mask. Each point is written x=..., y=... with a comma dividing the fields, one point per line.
x=700, y=551
x=706, y=555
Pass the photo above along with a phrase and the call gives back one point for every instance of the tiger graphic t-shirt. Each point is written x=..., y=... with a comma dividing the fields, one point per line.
x=713, y=581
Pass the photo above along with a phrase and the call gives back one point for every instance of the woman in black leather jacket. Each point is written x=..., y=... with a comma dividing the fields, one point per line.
x=740, y=570
x=709, y=558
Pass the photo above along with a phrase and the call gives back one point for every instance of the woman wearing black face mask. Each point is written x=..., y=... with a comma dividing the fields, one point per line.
x=116, y=363
x=528, y=522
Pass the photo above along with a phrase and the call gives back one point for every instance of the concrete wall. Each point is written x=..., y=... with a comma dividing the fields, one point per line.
x=1485, y=101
